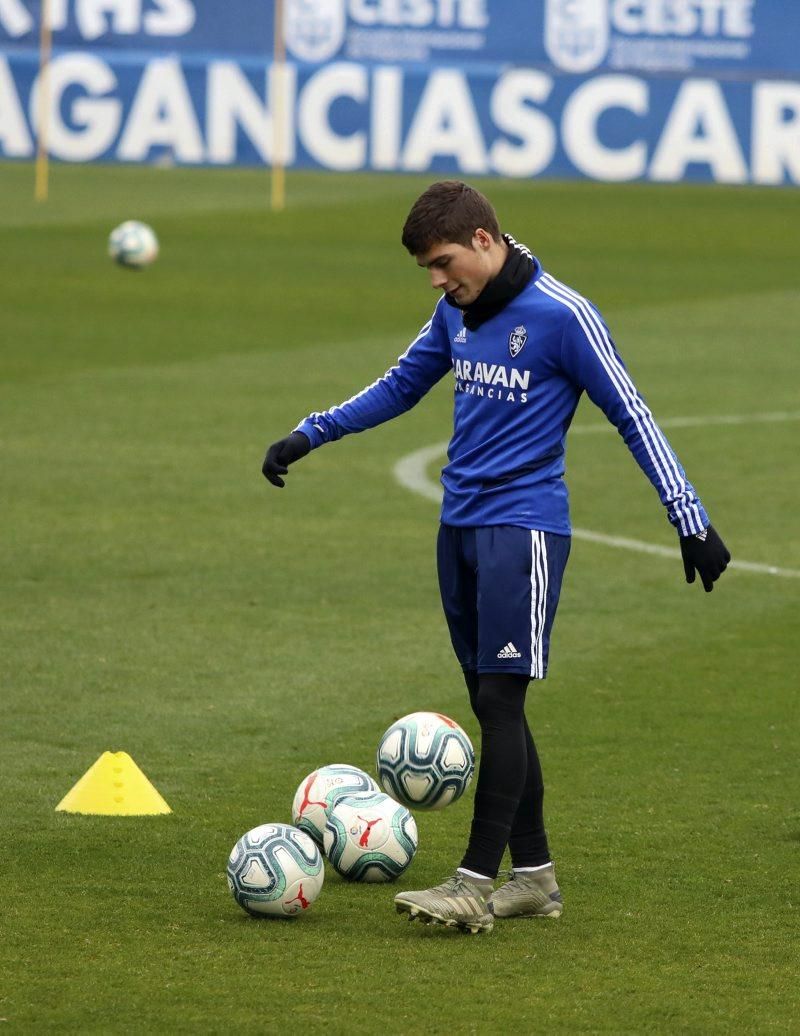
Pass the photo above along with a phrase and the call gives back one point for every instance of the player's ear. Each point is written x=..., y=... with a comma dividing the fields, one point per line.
x=481, y=239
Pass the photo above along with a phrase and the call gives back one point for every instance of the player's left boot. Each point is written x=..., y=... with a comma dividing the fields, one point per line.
x=529, y=895
x=457, y=903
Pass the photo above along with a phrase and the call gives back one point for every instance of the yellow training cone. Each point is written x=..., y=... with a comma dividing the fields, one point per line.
x=114, y=786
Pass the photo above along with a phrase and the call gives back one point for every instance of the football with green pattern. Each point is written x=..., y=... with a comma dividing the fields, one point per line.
x=275, y=870
x=320, y=789
x=370, y=837
x=425, y=760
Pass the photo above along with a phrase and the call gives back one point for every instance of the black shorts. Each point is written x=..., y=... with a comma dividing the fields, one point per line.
x=500, y=586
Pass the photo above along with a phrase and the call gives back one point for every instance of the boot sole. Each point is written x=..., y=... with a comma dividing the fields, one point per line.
x=416, y=913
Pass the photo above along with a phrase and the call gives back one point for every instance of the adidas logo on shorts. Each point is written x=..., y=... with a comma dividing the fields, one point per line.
x=509, y=651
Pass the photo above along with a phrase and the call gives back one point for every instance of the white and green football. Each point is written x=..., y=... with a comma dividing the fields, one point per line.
x=425, y=760
x=370, y=837
x=275, y=870
x=319, y=790
x=133, y=244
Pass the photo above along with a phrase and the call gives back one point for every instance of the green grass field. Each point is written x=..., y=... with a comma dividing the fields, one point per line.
x=159, y=598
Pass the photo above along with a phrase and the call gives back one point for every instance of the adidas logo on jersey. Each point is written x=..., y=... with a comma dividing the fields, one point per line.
x=461, y=337
x=509, y=651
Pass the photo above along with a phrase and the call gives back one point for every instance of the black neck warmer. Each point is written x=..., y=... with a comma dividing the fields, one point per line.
x=515, y=273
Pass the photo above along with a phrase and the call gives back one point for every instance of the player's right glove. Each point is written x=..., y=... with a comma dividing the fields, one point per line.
x=706, y=553
x=283, y=453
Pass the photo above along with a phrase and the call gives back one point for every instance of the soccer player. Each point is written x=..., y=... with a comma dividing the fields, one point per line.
x=521, y=348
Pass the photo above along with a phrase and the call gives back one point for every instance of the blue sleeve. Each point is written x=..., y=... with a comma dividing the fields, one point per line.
x=591, y=361
x=425, y=362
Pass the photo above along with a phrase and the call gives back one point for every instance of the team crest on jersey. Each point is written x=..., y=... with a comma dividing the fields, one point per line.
x=516, y=340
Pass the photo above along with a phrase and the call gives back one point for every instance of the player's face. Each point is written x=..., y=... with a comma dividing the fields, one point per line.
x=462, y=271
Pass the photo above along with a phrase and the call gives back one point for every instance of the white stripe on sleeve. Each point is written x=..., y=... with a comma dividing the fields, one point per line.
x=661, y=456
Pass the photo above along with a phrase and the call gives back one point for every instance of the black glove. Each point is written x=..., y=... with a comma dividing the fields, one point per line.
x=283, y=453
x=707, y=553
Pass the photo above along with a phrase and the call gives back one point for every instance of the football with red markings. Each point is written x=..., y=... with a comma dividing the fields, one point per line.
x=318, y=791
x=275, y=870
x=370, y=837
x=425, y=760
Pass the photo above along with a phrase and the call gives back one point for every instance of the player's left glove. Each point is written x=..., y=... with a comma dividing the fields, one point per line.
x=283, y=453
x=706, y=553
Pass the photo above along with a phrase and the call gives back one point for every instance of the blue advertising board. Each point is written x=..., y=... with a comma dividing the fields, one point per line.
x=615, y=90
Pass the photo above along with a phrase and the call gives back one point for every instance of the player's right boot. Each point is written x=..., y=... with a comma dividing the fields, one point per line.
x=529, y=895
x=457, y=903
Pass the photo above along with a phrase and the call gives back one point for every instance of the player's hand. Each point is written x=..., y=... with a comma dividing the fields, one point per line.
x=706, y=553
x=283, y=453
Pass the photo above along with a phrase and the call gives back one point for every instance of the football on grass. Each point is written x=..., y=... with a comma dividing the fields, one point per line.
x=370, y=837
x=320, y=790
x=275, y=870
x=425, y=760
x=133, y=244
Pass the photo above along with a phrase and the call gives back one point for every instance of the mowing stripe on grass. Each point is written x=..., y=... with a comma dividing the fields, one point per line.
x=411, y=473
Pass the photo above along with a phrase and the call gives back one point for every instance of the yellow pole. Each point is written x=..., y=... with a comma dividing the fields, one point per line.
x=278, y=178
x=43, y=107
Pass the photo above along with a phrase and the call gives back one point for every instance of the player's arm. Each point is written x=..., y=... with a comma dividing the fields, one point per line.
x=591, y=360
x=421, y=366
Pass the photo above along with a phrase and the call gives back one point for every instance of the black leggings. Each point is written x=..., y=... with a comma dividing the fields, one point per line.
x=510, y=790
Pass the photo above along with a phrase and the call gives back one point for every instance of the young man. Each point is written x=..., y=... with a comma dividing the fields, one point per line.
x=522, y=348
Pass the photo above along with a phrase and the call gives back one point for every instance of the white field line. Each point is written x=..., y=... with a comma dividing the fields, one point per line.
x=773, y=417
x=411, y=473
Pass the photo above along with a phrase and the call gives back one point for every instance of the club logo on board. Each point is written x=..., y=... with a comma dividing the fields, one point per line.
x=576, y=33
x=314, y=29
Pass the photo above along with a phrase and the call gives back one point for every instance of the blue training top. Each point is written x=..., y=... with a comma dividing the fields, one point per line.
x=518, y=379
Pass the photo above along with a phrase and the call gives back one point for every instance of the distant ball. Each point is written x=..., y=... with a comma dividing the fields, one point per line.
x=370, y=837
x=133, y=244
x=425, y=760
x=319, y=790
x=275, y=870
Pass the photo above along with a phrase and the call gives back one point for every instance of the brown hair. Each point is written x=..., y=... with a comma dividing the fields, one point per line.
x=448, y=211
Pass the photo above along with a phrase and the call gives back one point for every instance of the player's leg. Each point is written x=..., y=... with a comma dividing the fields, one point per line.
x=499, y=706
x=464, y=900
x=511, y=603
x=532, y=890
x=527, y=841
x=485, y=579
x=458, y=901
x=501, y=566
x=507, y=612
